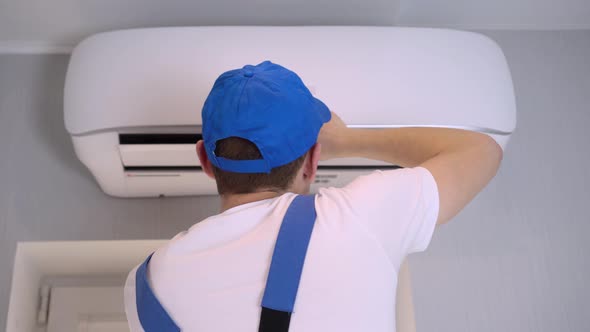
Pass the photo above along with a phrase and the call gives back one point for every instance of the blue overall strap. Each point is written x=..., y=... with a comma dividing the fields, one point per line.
x=152, y=316
x=287, y=264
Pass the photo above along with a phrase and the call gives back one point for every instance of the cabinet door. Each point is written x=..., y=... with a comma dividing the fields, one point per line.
x=87, y=309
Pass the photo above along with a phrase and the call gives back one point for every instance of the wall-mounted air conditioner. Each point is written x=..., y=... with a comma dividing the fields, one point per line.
x=133, y=98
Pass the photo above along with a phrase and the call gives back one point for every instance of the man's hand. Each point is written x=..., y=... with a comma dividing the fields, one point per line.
x=332, y=138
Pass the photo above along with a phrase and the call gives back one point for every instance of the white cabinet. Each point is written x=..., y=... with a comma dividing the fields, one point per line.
x=87, y=309
x=72, y=269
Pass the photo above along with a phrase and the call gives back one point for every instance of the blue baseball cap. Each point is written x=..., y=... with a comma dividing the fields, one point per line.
x=268, y=105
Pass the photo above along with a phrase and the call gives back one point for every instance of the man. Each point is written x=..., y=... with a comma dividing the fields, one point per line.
x=263, y=136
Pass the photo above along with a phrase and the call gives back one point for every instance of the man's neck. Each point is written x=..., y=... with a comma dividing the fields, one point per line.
x=229, y=201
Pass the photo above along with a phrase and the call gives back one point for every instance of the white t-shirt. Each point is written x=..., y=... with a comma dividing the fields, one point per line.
x=212, y=277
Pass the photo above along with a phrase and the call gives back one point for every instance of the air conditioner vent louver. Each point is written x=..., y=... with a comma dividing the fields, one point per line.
x=159, y=138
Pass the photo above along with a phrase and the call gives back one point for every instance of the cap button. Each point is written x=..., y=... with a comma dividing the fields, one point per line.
x=248, y=73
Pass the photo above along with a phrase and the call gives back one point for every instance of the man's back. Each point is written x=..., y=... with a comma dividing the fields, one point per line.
x=212, y=277
x=264, y=134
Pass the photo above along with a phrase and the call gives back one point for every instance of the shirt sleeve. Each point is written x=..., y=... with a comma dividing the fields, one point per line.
x=130, y=303
x=399, y=208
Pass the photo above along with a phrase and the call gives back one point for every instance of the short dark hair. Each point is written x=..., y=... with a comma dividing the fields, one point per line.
x=236, y=148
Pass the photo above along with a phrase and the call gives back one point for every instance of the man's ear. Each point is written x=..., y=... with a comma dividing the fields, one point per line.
x=310, y=165
x=205, y=162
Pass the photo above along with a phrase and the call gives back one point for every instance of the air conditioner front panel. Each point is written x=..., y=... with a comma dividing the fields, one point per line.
x=371, y=76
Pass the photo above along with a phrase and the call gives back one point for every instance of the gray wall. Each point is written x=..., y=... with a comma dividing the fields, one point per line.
x=45, y=192
x=516, y=259
x=512, y=261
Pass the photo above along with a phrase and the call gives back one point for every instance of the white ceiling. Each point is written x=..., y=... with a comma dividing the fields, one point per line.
x=54, y=26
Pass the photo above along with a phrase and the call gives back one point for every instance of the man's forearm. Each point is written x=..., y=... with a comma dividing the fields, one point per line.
x=461, y=162
x=407, y=147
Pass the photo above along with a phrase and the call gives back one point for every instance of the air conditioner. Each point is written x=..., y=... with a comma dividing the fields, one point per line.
x=133, y=98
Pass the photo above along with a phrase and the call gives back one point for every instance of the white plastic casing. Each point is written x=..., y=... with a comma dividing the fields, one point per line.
x=156, y=81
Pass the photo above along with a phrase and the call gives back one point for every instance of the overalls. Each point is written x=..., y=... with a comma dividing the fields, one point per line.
x=281, y=285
